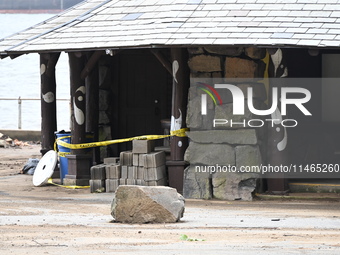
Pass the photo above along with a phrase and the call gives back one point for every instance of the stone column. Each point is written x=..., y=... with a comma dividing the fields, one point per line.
x=214, y=150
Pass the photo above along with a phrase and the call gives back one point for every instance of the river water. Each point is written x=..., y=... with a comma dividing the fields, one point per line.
x=20, y=77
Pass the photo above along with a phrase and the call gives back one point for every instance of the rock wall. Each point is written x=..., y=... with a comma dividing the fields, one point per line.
x=212, y=150
x=105, y=103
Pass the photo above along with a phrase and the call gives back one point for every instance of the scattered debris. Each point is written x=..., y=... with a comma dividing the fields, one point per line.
x=3, y=143
x=16, y=142
x=30, y=166
x=6, y=141
x=100, y=190
x=186, y=238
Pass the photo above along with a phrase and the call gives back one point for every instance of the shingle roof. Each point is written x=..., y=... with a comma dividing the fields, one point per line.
x=98, y=24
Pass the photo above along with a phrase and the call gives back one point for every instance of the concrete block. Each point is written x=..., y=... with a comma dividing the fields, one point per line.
x=124, y=172
x=135, y=159
x=141, y=159
x=161, y=182
x=77, y=182
x=130, y=182
x=111, y=185
x=154, y=159
x=140, y=182
x=154, y=173
x=122, y=181
x=132, y=172
x=126, y=158
x=143, y=146
x=140, y=173
x=113, y=171
x=98, y=172
x=97, y=186
x=111, y=160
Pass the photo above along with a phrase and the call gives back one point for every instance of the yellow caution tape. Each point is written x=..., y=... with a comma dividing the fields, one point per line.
x=63, y=154
x=55, y=143
x=179, y=133
x=68, y=187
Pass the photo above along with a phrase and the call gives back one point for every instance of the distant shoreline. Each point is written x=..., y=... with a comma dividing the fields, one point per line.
x=35, y=11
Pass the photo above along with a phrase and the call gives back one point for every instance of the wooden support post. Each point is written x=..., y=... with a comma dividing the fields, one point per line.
x=277, y=135
x=78, y=99
x=92, y=100
x=79, y=162
x=48, y=100
x=178, y=145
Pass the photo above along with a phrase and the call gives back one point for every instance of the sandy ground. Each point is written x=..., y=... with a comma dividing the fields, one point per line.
x=55, y=220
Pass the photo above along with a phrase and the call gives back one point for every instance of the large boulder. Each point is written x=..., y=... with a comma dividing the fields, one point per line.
x=141, y=204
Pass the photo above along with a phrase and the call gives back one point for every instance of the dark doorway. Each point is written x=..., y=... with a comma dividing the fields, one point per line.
x=144, y=98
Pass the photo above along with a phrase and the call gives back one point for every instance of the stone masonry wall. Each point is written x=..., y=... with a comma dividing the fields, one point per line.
x=224, y=145
x=105, y=101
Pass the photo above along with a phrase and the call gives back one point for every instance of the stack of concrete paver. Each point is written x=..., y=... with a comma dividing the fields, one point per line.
x=141, y=166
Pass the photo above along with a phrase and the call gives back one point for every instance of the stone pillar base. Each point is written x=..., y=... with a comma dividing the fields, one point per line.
x=77, y=182
x=176, y=174
x=56, y=173
x=78, y=170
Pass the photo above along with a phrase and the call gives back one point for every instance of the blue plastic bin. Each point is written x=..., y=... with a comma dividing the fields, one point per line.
x=62, y=151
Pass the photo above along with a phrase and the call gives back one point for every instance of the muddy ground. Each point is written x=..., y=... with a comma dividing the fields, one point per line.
x=55, y=220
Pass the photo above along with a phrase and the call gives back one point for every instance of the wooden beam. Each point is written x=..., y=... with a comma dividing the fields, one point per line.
x=91, y=63
x=13, y=56
x=164, y=61
x=48, y=100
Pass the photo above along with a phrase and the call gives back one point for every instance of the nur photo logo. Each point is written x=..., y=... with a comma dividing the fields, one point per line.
x=281, y=97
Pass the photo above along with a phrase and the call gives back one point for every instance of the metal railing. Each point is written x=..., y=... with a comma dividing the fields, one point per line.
x=20, y=106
